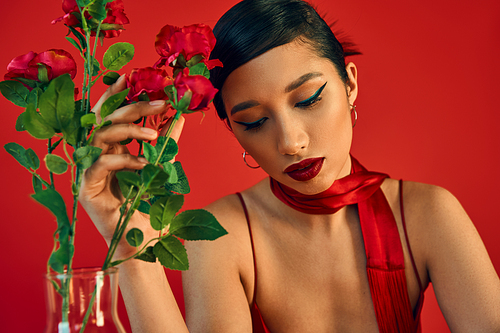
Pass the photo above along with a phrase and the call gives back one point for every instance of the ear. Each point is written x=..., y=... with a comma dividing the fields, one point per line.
x=352, y=84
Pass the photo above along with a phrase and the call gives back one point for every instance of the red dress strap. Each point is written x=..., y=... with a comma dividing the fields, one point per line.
x=420, y=302
x=257, y=321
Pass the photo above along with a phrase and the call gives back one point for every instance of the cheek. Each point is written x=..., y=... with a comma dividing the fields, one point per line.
x=333, y=128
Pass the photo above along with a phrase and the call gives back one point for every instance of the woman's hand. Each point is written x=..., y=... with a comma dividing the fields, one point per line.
x=100, y=194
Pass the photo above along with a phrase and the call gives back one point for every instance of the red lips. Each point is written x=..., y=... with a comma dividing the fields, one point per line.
x=305, y=170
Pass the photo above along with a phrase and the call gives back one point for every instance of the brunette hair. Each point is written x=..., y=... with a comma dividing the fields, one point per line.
x=253, y=27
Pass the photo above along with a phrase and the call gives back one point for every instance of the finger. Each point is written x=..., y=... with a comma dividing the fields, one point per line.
x=115, y=88
x=132, y=112
x=110, y=135
x=176, y=131
x=95, y=177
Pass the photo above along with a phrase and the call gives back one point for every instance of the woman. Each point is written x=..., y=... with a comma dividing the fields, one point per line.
x=289, y=264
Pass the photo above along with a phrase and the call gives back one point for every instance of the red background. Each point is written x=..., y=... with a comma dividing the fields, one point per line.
x=427, y=112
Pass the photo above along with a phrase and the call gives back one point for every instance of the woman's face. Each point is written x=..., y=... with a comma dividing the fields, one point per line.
x=290, y=111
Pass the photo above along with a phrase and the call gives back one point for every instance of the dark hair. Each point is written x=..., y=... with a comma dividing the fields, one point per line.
x=253, y=27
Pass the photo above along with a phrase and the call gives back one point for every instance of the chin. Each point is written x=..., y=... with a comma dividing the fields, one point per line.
x=311, y=187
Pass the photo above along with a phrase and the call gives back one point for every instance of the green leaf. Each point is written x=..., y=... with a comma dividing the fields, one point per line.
x=18, y=152
x=150, y=152
x=61, y=257
x=170, y=151
x=147, y=255
x=169, y=90
x=83, y=3
x=183, y=104
x=88, y=120
x=197, y=224
x=127, y=179
x=171, y=171
x=32, y=159
x=148, y=174
x=43, y=73
x=55, y=164
x=110, y=78
x=171, y=253
x=34, y=96
x=113, y=102
x=37, y=184
x=74, y=43
x=118, y=55
x=182, y=185
x=200, y=69
x=72, y=133
x=135, y=237
x=51, y=199
x=193, y=61
x=163, y=211
x=36, y=125
x=144, y=207
x=19, y=123
x=27, y=82
x=110, y=26
x=161, y=192
x=15, y=92
x=27, y=158
x=143, y=97
x=57, y=103
x=97, y=10
x=159, y=180
x=55, y=144
x=85, y=156
x=96, y=67
x=81, y=38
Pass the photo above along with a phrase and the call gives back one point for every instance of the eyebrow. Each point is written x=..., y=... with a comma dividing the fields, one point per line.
x=301, y=80
x=291, y=87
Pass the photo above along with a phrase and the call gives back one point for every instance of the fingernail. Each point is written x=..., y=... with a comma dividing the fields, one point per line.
x=142, y=160
x=156, y=103
x=149, y=131
x=121, y=78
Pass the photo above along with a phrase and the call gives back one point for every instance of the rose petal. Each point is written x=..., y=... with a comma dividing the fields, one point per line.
x=60, y=62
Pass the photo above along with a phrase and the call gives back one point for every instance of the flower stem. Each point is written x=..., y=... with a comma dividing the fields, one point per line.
x=167, y=135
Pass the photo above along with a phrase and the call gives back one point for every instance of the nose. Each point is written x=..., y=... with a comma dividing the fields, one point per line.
x=292, y=137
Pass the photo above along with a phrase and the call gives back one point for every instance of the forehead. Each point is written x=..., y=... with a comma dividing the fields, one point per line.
x=272, y=71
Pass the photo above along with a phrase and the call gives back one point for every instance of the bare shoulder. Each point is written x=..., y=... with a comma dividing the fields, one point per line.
x=229, y=213
x=218, y=285
x=424, y=204
x=456, y=259
x=431, y=200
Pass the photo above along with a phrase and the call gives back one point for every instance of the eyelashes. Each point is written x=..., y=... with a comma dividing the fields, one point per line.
x=307, y=103
x=253, y=125
x=313, y=99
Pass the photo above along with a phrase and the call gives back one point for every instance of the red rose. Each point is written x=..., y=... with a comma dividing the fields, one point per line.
x=196, y=39
x=201, y=88
x=111, y=26
x=57, y=62
x=116, y=16
x=147, y=80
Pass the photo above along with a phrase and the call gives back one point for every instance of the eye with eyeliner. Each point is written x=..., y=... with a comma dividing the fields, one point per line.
x=311, y=100
x=253, y=125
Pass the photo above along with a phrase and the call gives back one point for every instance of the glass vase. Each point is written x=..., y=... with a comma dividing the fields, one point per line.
x=83, y=301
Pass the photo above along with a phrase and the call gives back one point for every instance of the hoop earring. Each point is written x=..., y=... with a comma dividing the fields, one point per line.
x=353, y=108
x=245, y=160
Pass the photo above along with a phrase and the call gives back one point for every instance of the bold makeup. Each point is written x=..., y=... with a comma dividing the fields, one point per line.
x=305, y=170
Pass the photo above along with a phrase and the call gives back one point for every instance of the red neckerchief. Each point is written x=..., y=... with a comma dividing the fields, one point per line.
x=384, y=252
